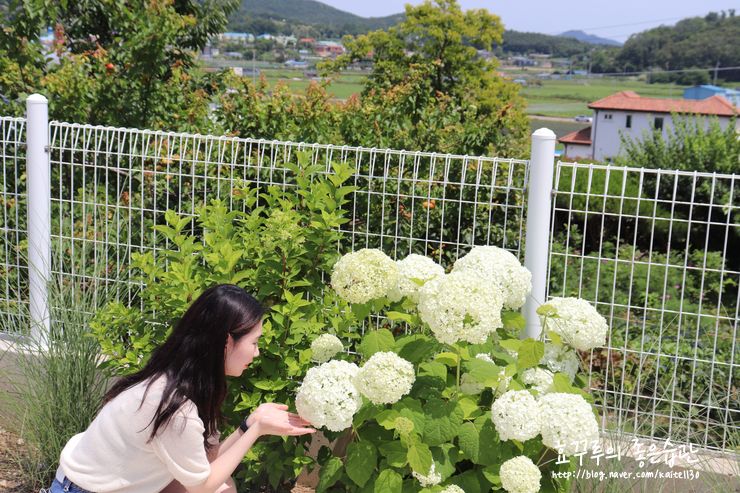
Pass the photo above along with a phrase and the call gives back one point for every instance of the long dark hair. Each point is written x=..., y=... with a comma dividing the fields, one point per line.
x=193, y=356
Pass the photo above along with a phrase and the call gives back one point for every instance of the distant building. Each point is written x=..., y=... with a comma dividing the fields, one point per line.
x=707, y=91
x=328, y=48
x=285, y=40
x=243, y=38
x=626, y=113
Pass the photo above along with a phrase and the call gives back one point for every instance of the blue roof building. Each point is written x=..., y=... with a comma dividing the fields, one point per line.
x=707, y=91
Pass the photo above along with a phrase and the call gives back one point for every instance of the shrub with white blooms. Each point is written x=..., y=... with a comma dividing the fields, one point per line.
x=576, y=321
x=539, y=378
x=413, y=272
x=561, y=359
x=516, y=415
x=364, y=275
x=328, y=397
x=431, y=479
x=461, y=307
x=520, y=475
x=324, y=347
x=568, y=423
x=385, y=378
x=453, y=488
x=501, y=266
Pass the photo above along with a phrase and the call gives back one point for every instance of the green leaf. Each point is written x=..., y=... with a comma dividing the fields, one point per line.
x=513, y=321
x=376, y=341
x=403, y=317
x=395, y=453
x=561, y=383
x=387, y=418
x=468, y=439
x=416, y=348
x=447, y=358
x=420, y=457
x=511, y=344
x=483, y=372
x=443, y=421
x=555, y=338
x=389, y=481
x=330, y=474
x=362, y=457
x=530, y=353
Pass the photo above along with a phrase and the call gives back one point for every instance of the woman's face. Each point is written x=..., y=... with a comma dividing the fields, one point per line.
x=239, y=354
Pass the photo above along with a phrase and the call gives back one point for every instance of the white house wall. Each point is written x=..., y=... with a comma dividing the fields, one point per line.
x=606, y=132
x=577, y=151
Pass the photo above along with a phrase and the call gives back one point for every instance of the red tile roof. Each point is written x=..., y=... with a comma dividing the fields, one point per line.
x=581, y=137
x=630, y=101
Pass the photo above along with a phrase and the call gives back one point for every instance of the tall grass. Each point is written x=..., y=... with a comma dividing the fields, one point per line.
x=57, y=389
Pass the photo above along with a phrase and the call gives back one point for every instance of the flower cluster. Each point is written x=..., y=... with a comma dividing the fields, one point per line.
x=567, y=422
x=576, y=321
x=539, y=378
x=520, y=475
x=413, y=272
x=561, y=359
x=516, y=415
x=364, y=275
x=328, y=397
x=461, y=307
x=324, y=347
x=453, y=488
x=385, y=378
x=431, y=479
x=501, y=266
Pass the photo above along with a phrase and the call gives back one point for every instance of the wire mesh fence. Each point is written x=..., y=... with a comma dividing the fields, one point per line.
x=13, y=268
x=653, y=250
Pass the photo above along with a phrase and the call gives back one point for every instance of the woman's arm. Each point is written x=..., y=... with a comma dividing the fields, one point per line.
x=275, y=420
x=231, y=439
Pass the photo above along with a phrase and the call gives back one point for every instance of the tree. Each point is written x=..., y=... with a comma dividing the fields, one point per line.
x=127, y=63
x=435, y=52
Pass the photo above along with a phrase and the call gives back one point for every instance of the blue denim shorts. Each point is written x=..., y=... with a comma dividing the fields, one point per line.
x=62, y=484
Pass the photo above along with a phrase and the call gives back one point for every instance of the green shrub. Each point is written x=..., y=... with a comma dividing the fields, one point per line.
x=277, y=242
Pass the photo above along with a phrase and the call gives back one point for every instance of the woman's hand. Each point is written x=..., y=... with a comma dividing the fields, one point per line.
x=274, y=419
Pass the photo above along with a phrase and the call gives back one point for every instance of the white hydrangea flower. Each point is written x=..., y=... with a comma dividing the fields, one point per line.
x=410, y=270
x=561, y=359
x=453, y=488
x=501, y=265
x=385, y=378
x=539, y=378
x=461, y=307
x=568, y=423
x=516, y=415
x=364, y=275
x=324, y=347
x=520, y=475
x=431, y=479
x=328, y=397
x=577, y=322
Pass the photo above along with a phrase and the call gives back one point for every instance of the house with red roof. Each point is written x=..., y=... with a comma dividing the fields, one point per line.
x=628, y=114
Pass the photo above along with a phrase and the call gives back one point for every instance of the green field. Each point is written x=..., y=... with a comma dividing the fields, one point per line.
x=561, y=98
x=341, y=87
x=569, y=98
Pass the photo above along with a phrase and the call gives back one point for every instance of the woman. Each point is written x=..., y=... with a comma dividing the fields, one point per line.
x=156, y=429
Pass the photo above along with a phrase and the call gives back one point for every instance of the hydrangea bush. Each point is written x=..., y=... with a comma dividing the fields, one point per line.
x=449, y=398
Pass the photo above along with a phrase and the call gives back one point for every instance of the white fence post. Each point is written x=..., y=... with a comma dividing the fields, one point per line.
x=39, y=213
x=539, y=201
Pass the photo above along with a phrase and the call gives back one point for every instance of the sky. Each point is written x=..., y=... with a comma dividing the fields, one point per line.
x=609, y=19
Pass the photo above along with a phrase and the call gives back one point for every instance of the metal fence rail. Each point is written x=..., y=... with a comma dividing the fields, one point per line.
x=653, y=250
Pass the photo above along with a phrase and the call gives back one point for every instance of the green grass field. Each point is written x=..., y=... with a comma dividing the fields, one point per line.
x=568, y=98
x=562, y=98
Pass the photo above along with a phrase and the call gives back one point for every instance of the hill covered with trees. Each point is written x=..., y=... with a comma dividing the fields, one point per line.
x=303, y=17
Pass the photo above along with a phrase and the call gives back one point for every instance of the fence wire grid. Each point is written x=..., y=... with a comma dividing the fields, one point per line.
x=650, y=248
